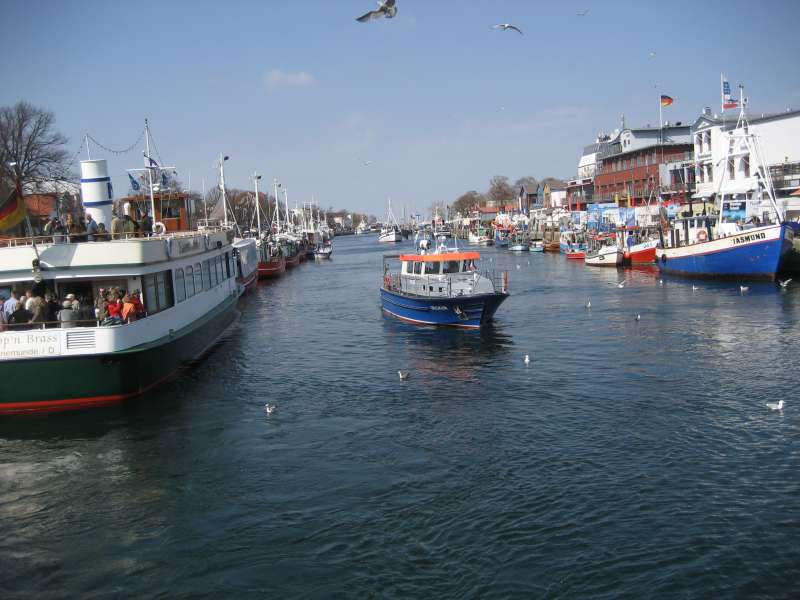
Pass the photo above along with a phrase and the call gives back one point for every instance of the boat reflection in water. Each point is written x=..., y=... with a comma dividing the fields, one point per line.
x=434, y=353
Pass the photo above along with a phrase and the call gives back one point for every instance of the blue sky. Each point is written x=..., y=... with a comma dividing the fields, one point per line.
x=435, y=98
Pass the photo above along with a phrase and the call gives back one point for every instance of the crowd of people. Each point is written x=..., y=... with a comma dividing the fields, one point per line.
x=86, y=229
x=33, y=310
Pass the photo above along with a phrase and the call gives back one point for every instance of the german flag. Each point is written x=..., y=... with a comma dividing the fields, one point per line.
x=665, y=100
x=12, y=208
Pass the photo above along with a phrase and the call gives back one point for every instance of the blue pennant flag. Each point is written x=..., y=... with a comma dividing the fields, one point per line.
x=134, y=184
x=164, y=179
x=153, y=163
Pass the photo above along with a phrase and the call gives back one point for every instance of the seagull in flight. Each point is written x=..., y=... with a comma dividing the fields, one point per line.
x=784, y=283
x=583, y=13
x=652, y=55
x=507, y=26
x=386, y=8
x=366, y=163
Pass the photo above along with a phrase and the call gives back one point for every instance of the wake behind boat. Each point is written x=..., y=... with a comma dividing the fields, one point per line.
x=444, y=288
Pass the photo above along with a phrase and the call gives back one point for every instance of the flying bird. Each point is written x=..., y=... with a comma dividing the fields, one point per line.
x=583, y=13
x=775, y=405
x=386, y=8
x=784, y=283
x=652, y=55
x=366, y=163
x=507, y=26
x=403, y=375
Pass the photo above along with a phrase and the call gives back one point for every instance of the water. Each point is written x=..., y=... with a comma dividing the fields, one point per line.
x=629, y=459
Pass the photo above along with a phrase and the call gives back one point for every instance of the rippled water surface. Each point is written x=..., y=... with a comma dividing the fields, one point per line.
x=628, y=459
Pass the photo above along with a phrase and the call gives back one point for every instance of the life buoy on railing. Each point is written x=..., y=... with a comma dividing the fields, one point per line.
x=702, y=236
x=159, y=228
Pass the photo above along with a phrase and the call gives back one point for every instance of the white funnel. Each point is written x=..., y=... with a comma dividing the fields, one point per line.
x=96, y=191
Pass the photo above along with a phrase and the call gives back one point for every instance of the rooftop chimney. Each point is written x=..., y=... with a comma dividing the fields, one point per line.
x=707, y=111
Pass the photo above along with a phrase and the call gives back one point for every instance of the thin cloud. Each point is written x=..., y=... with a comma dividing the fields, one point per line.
x=276, y=79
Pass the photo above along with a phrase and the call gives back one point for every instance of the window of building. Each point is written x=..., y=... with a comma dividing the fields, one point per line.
x=198, y=278
x=698, y=140
x=708, y=141
x=639, y=161
x=189, y=281
x=709, y=172
x=746, y=165
x=731, y=168
x=180, y=286
x=701, y=174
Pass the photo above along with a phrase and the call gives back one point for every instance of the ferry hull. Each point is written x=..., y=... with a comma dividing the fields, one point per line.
x=641, y=254
x=754, y=254
x=475, y=310
x=73, y=382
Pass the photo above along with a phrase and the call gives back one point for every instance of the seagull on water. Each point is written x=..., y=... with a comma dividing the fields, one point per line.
x=775, y=405
x=527, y=359
x=518, y=266
x=743, y=289
x=621, y=284
x=403, y=375
x=270, y=408
x=386, y=8
x=588, y=303
x=695, y=288
x=638, y=317
x=507, y=26
x=785, y=283
x=660, y=282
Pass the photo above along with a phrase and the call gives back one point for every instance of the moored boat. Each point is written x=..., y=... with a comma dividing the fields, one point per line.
x=246, y=253
x=444, y=288
x=602, y=251
x=188, y=292
x=272, y=262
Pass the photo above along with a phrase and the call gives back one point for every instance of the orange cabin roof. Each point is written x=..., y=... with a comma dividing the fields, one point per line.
x=440, y=257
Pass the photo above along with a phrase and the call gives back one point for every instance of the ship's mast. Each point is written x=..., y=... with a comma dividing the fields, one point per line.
x=149, y=166
x=277, y=207
x=256, y=177
x=222, y=160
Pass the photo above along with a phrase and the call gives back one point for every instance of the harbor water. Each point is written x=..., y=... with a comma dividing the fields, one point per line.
x=629, y=459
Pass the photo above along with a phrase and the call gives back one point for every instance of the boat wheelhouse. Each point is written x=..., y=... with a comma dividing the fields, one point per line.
x=444, y=288
x=602, y=251
x=246, y=252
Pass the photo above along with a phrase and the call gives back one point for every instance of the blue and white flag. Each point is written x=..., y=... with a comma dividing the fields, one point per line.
x=153, y=163
x=134, y=184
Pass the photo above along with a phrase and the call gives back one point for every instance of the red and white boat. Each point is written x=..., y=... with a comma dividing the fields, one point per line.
x=272, y=262
x=575, y=254
x=643, y=253
x=246, y=254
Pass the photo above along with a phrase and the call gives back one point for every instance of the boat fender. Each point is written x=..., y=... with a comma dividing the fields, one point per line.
x=159, y=228
x=702, y=236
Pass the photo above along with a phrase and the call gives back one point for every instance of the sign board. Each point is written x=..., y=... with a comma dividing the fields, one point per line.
x=29, y=344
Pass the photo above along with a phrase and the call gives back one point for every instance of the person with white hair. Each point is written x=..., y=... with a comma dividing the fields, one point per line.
x=67, y=315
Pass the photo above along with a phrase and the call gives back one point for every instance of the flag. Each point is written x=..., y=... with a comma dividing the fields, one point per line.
x=665, y=100
x=12, y=209
x=727, y=101
x=134, y=184
x=153, y=163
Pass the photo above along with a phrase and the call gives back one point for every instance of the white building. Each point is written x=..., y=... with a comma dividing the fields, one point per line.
x=778, y=142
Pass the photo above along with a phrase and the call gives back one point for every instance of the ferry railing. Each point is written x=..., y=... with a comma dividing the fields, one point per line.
x=79, y=238
x=498, y=279
x=107, y=322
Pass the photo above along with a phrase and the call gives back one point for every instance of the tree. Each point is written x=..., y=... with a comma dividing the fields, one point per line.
x=529, y=182
x=500, y=191
x=467, y=202
x=30, y=149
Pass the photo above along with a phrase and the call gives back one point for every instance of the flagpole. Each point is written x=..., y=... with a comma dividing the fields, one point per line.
x=149, y=170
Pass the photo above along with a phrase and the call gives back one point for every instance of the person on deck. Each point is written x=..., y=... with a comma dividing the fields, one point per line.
x=129, y=226
x=128, y=309
x=116, y=227
x=137, y=304
x=102, y=234
x=73, y=230
x=51, y=307
x=146, y=226
x=67, y=316
x=20, y=318
x=114, y=307
x=91, y=228
x=10, y=305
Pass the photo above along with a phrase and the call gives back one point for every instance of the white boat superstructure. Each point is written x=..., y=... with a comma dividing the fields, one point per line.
x=390, y=232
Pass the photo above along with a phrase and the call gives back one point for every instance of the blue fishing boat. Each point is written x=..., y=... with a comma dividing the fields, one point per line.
x=443, y=288
x=749, y=237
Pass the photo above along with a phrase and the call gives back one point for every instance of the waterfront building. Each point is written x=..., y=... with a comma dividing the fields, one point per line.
x=777, y=134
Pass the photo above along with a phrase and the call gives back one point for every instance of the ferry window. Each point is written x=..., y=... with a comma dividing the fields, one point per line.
x=189, y=281
x=164, y=290
x=417, y=268
x=451, y=266
x=212, y=267
x=198, y=279
x=432, y=268
x=170, y=209
x=231, y=264
x=220, y=269
x=206, y=276
x=150, y=298
x=180, y=287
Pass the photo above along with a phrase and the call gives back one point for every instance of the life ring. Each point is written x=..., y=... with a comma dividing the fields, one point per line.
x=702, y=236
x=159, y=228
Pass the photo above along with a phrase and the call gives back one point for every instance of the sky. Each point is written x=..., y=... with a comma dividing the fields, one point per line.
x=435, y=98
